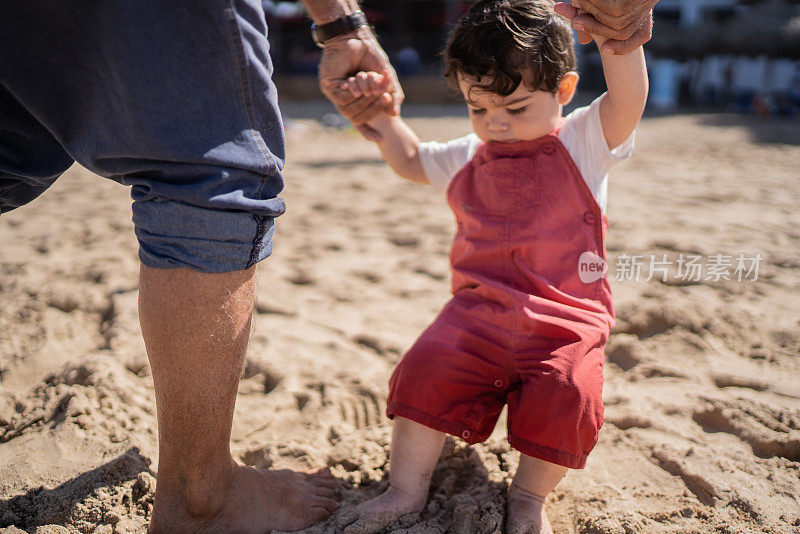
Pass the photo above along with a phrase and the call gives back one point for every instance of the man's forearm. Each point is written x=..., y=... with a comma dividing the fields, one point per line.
x=323, y=11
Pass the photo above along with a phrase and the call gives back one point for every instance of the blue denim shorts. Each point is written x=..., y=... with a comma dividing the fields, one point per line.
x=174, y=99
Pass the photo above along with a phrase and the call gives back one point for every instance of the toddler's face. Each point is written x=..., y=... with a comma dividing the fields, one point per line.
x=521, y=116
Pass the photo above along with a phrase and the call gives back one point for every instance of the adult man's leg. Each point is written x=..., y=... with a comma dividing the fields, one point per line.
x=196, y=327
x=175, y=100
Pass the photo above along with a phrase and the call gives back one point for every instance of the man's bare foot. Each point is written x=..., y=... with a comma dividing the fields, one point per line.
x=525, y=513
x=257, y=501
x=375, y=514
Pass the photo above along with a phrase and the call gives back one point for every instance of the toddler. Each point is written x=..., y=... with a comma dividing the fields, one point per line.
x=531, y=310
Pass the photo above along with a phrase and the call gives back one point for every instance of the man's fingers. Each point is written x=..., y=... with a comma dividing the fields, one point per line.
x=589, y=24
x=565, y=10
x=627, y=24
x=354, y=109
x=379, y=105
x=339, y=96
x=574, y=14
x=619, y=13
x=392, y=86
x=369, y=132
x=397, y=102
x=602, y=16
x=584, y=38
x=641, y=36
x=613, y=8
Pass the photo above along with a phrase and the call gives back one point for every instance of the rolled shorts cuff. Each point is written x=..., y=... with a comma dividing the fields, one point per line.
x=548, y=454
x=436, y=423
x=174, y=234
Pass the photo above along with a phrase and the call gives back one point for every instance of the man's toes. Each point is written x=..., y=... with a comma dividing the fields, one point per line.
x=324, y=493
x=325, y=502
x=329, y=483
x=322, y=472
x=317, y=514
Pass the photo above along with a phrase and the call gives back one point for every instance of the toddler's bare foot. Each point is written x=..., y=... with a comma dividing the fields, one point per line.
x=375, y=514
x=525, y=513
x=256, y=501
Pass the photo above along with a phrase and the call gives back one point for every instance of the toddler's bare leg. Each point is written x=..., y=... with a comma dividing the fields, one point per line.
x=534, y=480
x=415, y=451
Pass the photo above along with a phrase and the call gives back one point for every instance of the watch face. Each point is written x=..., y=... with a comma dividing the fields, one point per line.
x=315, y=36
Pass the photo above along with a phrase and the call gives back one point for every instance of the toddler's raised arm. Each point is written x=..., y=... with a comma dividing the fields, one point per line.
x=398, y=143
x=622, y=106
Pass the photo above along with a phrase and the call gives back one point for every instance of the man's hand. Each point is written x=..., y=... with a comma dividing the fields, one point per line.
x=342, y=58
x=627, y=24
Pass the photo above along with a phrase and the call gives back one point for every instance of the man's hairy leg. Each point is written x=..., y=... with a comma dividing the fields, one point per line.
x=196, y=328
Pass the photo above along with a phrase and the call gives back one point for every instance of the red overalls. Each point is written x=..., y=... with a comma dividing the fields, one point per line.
x=521, y=328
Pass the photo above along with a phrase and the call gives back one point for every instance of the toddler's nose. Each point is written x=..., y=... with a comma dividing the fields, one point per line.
x=497, y=125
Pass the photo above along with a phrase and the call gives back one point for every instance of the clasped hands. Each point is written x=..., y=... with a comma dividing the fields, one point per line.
x=626, y=24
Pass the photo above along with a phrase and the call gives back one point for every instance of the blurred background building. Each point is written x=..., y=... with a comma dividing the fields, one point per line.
x=740, y=55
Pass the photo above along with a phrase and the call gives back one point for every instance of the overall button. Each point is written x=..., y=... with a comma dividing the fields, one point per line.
x=548, y=148
x=465, y=434
x=589, y=217
x=498, y=383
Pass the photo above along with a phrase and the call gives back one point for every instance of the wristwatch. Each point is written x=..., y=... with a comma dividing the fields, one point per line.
x=323, y=33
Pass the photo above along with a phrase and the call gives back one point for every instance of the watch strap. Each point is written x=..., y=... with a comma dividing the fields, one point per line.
x=322, y=33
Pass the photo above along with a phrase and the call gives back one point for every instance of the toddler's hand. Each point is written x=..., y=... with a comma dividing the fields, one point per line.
x=369, y=84
x=366, y=84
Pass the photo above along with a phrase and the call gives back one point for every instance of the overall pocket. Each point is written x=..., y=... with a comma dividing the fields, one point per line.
x=507, y=185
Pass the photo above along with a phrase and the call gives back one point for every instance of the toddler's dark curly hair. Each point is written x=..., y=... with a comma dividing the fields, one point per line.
x=510, y=42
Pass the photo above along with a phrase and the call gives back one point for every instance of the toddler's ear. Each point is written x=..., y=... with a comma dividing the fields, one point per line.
x=567, y=87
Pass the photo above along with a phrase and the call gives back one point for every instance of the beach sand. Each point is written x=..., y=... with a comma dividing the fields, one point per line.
x=702, y=391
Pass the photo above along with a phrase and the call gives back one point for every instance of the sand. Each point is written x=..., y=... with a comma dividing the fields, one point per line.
x=702, y=391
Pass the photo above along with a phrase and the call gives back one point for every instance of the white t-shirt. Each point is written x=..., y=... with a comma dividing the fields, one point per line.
x=581, y=134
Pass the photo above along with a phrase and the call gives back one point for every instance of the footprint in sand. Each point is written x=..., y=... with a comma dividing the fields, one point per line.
x=258, y=378
x=375, y=344
x=625, y=350
x=650, y=318
x=694, y=473
x=769, y=431
x=99, y=396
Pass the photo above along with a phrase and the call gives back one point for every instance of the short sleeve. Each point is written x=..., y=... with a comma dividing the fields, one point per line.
x=582, y=136
x=442, y=161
